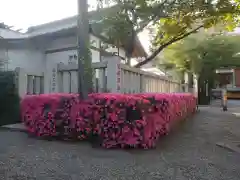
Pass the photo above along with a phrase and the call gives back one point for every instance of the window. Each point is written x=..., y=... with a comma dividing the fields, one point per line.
x=72, y=59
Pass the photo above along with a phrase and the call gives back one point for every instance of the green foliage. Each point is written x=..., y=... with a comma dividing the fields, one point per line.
x=196, y=53
x=172, y=20
x=202, y=54
x=9, y=107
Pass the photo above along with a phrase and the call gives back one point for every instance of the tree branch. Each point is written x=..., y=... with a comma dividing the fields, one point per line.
x=156, y=15
x=155, y=53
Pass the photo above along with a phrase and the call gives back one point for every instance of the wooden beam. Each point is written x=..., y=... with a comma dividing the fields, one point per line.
x=69, y=48
x=104, y=53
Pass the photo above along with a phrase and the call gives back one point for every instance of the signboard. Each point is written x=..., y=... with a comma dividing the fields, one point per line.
x=54, y=76
x=118, y=77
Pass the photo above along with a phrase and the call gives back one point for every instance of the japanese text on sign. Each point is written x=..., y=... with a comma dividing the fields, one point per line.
x=118, y=77
x=54, y=72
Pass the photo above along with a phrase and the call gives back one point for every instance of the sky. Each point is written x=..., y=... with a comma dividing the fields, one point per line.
x=25, y=13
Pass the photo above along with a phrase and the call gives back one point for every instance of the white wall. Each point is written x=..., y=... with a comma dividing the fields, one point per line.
x=58, y=57
x=63, y=56
x=29, y=59
x=52, y=59
x=72, y=41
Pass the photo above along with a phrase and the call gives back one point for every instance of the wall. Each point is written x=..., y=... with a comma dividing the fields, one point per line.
x=65, y=42
x=29, y=59
x=35, y=60
x=3, y=59
x=21, y=55
x=54, y=58
x=30, y=65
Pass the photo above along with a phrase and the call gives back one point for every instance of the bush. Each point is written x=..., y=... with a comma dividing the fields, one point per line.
x=9, y=107
x=117, y=120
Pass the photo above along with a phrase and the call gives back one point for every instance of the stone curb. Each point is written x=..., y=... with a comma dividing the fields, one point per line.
x=229, y=146
x=13, y=127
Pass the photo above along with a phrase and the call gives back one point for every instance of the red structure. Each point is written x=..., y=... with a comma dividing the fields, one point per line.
x=228, y=78
x=237, y=77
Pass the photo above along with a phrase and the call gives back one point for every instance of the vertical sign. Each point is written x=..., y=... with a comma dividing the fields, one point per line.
x=54, y=74
x=118, y=77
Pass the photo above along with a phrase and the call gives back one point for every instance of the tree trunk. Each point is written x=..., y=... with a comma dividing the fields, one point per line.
x=130, y=47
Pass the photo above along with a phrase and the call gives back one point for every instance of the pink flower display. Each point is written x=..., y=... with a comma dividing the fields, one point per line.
x=114, y=120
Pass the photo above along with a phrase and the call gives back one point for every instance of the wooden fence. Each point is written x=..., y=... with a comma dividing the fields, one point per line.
x=109, y=76
x=112, y=76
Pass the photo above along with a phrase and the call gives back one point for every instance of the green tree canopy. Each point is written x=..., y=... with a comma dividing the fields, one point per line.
x=196, y=53
x=171, y=20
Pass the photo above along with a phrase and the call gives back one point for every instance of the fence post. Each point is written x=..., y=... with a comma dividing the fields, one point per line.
x=102, y=84
x=142, y=87
x=186, y=81
x=21, y=81
x=114, y=74
x=180, y=86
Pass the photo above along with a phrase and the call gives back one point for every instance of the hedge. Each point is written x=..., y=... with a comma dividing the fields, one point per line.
x=9, y=99
x=117, y=120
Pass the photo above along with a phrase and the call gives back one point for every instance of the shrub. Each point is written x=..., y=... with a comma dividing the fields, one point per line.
x=9, y=106
x=117, y=120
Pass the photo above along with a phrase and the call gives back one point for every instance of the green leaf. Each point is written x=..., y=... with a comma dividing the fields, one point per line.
x=170, y=19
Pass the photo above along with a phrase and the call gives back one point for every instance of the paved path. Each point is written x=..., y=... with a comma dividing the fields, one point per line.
x=188, y=153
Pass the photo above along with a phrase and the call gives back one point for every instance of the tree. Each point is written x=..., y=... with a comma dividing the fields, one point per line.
x=195, y=53
x=172, y=20
x=201, y=54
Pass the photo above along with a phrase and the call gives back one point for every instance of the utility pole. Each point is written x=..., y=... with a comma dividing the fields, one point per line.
x=100, y=6
x=82, y=47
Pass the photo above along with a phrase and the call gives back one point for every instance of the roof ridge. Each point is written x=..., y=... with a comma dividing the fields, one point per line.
x=91, y=13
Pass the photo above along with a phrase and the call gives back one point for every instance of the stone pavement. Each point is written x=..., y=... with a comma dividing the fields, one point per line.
x=194, y=151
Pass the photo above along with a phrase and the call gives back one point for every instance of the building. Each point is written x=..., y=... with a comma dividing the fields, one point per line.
x=228, y=77
x=42, y=54
x=56, y=42
x=42, y=47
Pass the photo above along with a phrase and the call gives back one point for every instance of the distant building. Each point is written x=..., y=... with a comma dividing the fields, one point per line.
x=228, y=77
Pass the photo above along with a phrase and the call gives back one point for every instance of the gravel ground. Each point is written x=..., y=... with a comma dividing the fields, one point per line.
x=187, y=153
